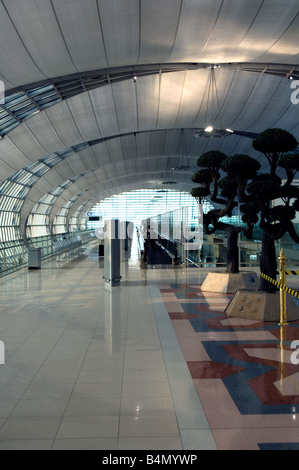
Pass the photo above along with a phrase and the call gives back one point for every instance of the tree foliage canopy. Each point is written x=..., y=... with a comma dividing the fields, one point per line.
x=274, y=141
x=228, y=181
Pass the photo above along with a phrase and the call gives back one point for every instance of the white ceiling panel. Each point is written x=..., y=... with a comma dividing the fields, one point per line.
x=124, y=95
x=88, y=158
x=103, y=103
x=84, y=117
x=274, y=25
x=63, y=124
x=76, y=163
x=23, y=139
x=17, y=67
x=171, y=91
x=13, y=157
x=159, y=23
x=80, y=25
x=90, y=50
x=115, y=149
x=88, y=181
x=143, y=144
x=122, y=17
x=37, y=27
x=148, y=92
x=101, y=154
x=44, y=132
x=129, y=147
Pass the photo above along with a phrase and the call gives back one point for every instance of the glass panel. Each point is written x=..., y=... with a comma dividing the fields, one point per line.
x=51, y=160
x=66, y=184
x=21, y=177
x=50, y=103
x=15, y=99
x=57, y=191
x=48, y=199
x=6, y=121
x=136, y=206
x=21, y=106
x=6, y=129
x=17, y=190
x=38, y=168
x=79, y=147
x=40, y=90
x=65, y=153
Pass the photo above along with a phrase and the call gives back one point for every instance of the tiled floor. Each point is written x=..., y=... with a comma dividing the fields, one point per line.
x=150, y=364
x=242, y=370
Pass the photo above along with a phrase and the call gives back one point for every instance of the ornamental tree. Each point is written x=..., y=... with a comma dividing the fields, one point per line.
x=276, y=220
x=223, y=180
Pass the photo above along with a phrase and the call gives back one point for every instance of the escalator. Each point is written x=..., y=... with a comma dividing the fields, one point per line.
x=155, y=255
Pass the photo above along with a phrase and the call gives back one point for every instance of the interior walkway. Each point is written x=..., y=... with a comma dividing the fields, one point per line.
x=153, y=364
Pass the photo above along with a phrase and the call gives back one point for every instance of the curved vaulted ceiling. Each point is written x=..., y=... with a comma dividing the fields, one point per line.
x=77, y=125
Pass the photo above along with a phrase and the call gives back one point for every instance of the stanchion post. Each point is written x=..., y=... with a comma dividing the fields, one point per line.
x=282, y=278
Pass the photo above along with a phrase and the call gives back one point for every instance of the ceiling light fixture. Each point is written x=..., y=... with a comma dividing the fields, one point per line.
x=212, y=109
x=183, y=163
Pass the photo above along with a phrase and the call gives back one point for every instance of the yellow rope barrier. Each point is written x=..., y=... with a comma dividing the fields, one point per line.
x=283, y=288
x=290, y=273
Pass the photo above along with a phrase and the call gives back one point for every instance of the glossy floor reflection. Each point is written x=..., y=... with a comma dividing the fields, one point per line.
x=84, y=364
x=150, y=364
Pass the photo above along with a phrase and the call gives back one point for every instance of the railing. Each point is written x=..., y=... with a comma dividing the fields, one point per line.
x=14, y=254
x=213, y=252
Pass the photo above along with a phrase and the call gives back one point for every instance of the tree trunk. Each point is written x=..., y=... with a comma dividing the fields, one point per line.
x=268, y=263
x=232, y=254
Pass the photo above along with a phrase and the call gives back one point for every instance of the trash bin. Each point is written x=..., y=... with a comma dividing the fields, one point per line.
x=34, y=258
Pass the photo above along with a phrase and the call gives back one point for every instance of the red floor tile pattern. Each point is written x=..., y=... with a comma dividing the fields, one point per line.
x=260, y=411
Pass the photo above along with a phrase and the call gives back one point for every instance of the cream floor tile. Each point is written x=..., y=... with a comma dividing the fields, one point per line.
x=146, y=389
x=108, y=353
x=93, y=407
x=40, y=407
x=88, y=427
x=85, y=444
x=137, y=363
x=6, y=407
x=149, y=426
x=30, y=346
x=103, y=364
x=198, y=439
x=97, y=391
x=150, y=443
x=146, y=406
x=61, y=366
x=109, y=342
x=12, y=391
x=145, y=375
x=48, y=390
x=26, y=444
x=18, y=373
x=26, y=357
x=99, y=376
x=33, y=428
x=49, y=376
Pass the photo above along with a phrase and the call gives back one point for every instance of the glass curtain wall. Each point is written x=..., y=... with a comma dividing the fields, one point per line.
x=135, y=206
